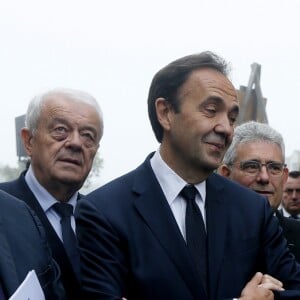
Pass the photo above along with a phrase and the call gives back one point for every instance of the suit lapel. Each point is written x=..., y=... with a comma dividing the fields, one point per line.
x=56, y=245
x=154, y=209
x=216, y=220
x=8, y=272
x=54, y=241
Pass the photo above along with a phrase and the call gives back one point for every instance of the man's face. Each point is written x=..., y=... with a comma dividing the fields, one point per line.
x=63, y=147
x=196, y=137
x=291, y=195
x=263, y=182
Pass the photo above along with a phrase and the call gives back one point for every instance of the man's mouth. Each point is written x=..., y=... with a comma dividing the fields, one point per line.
x=219, y=146
x=71, y=161
x=264, y=193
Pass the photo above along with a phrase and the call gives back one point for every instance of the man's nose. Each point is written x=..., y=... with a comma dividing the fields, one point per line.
x=294, y=194
x=263, y=174
x=224, y=126
x=74, y=140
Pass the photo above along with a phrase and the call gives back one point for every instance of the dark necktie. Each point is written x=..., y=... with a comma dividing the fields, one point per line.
x=195, y=232
x=295, y=217
x=69, y=239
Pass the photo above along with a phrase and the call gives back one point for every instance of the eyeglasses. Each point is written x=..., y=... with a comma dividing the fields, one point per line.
x=253, y=167
x=291, y=191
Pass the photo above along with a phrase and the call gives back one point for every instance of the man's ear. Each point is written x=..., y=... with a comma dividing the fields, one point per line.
x=27, y=140
x=224, y=170
x=163, y=109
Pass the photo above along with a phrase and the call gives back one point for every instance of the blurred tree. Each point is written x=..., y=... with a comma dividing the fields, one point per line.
x=8, y=173
x=95, y=171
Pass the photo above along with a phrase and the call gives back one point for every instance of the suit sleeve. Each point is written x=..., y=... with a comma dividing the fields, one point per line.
x=103, y=268
x=279, y=262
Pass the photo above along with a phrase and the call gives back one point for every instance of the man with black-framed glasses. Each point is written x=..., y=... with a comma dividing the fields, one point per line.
x=256, y=159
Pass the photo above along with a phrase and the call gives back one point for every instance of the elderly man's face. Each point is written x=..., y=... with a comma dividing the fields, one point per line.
x=64, y=145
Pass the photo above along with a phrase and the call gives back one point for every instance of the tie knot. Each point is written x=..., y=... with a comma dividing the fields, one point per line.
x=189, y=192
x=65, y=210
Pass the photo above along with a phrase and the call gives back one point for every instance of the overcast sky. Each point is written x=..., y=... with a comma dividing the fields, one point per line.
x=112, y=49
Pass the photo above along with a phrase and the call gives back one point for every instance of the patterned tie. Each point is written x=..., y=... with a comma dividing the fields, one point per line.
x=195, y=232
x=69, y=239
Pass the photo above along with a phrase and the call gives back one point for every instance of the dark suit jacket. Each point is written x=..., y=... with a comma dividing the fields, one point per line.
x=23, y=247
x=20, y=189
x=131, y=245
x=291, y=231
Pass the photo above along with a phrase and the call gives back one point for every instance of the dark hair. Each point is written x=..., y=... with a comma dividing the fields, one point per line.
x=167, y=82
x=294, y=174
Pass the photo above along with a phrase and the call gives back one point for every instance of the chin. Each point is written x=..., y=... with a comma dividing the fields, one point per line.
x=210, y=167
x=70, y=178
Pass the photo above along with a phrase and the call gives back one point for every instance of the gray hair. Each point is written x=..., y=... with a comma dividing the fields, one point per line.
x=36, y=104
x=250, y=132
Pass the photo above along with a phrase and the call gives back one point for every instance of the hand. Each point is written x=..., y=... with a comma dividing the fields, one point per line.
x=271, y=283
x=256, y=290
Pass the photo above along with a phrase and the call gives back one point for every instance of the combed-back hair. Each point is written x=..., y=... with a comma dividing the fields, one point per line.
x=253, y=131
x=36, y=104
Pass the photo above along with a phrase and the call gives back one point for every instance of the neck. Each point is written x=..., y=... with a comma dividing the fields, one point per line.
x=188, y=172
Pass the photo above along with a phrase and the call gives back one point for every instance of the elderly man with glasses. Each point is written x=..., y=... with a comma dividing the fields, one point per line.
x=256, y=159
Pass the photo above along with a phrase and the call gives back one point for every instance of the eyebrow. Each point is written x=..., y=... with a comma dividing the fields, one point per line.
x=265, y=162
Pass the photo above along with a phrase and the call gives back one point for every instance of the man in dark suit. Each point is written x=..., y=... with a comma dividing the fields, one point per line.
x=290, y=205
x=23, y=248
x=255, y=159
x=172, y=228
x=61, y=137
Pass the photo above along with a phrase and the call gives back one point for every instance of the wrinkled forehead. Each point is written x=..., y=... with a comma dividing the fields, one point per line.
x=294, y=182
x=60, y=106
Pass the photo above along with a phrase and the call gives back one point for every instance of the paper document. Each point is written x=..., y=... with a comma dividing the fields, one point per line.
x=29, y=289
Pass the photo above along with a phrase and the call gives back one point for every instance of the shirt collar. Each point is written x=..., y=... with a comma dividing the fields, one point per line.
x=287, y=214
x=45, y=199
x=170, y=182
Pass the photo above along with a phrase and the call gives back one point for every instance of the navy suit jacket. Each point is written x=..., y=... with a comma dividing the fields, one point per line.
x=131, y=245
x=291, y=231
x=23, y=247
x=20, y=189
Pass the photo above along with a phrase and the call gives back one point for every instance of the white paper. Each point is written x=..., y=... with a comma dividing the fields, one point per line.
x=29, y=289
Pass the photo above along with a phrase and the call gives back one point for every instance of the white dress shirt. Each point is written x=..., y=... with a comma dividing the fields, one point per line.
x=172, y=184
x=287, y=214
x=46, y=200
